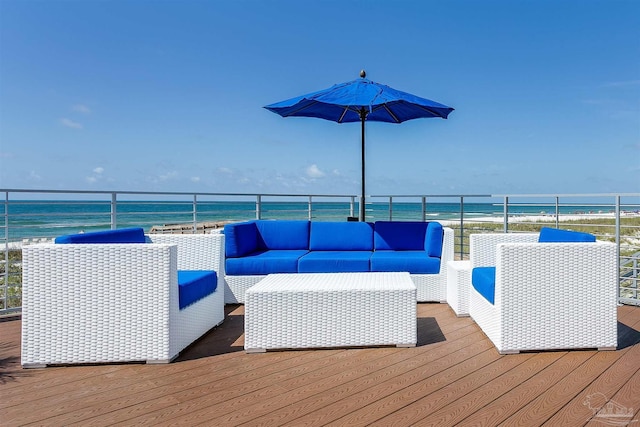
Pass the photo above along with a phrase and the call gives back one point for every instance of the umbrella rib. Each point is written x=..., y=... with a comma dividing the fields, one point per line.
x=344, y=112
x=391, y=113
x=346, y=109
x=435, y=113
x=304, y=107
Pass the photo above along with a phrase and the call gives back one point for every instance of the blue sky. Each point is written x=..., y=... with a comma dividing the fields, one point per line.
x=168, y=95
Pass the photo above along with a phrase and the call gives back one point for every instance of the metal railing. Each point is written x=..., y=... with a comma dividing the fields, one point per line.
x=30, y=216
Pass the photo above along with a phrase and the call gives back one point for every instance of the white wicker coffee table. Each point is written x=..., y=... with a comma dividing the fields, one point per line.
x=330, y=310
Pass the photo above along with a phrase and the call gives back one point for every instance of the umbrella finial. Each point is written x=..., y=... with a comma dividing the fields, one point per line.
x=363, y=73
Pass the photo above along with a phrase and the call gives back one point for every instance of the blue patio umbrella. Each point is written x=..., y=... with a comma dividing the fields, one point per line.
x=361, y=100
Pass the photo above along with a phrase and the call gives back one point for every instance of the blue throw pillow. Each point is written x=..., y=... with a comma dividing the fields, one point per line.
x=122, y=235
x=548, y=235
x=434, y=239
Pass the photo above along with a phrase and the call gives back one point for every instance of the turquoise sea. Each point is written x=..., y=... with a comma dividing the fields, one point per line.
x=45, y=219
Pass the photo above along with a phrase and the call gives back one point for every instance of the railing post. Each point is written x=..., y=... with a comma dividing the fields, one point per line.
x=424, y=209
x=5, y=250
x=352, y=206
x=258, y=206
x=557, y=212
x=390, y=208
x=634, y=276
x=461, y=227
x=195, y=214
x=618, y=242
x=506, y=214
x=114, y=211
x=310, y=207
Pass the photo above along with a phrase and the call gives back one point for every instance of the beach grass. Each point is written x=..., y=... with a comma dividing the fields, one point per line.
x=603, y=228
x=12, y=279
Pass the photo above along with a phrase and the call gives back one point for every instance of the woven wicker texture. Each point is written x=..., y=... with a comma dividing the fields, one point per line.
x=331, y=310
x=549, y=296
x=458, y=284
x=430, y=287
x=197, y=252
x=91, y=303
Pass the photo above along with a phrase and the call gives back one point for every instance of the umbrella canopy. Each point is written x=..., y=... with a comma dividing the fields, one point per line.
x=361, y=100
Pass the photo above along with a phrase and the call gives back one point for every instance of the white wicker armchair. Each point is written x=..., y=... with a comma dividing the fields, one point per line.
x=97, y=303
x=547, y=295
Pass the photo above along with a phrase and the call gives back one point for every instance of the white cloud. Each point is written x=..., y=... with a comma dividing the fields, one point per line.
x=314, y=171
x=195, y=179
x=225, y=170
x=70, y=123
x=80, y=108
x=97, y=175
x=33, y=176
x=167, y=176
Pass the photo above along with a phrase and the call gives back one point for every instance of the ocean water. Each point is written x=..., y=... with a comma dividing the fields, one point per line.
x=47, y=219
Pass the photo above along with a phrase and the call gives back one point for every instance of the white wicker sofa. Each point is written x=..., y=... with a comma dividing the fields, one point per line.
x=547, y=296
x=265, y=247
x=116, y=302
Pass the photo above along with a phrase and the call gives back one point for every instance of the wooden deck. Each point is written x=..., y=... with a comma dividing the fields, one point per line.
x=453, y=377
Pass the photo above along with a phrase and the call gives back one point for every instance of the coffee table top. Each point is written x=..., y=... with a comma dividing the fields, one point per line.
x=334, y=281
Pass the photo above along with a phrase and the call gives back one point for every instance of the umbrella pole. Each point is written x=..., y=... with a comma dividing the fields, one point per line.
x=363, y=115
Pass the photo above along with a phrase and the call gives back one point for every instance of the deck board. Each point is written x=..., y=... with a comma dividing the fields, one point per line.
x=454, y=376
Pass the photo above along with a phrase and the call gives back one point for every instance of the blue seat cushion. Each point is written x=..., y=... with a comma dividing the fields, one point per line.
x=122, y=235
x=548, y=234
x=265, y=262
x=341, y=236
x=415, y=262
x=483, y=280
x=334, y=262
x=193, y=285
x=286, y=235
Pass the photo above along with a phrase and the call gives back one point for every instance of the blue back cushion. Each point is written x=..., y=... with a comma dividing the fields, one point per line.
x=341, y=236
x=122, y=235
x=483, y=280
x=409, y=236
x=289, y=235
x=548, y=234
x=399, y=236
x=240, y=239
x=193, y=285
